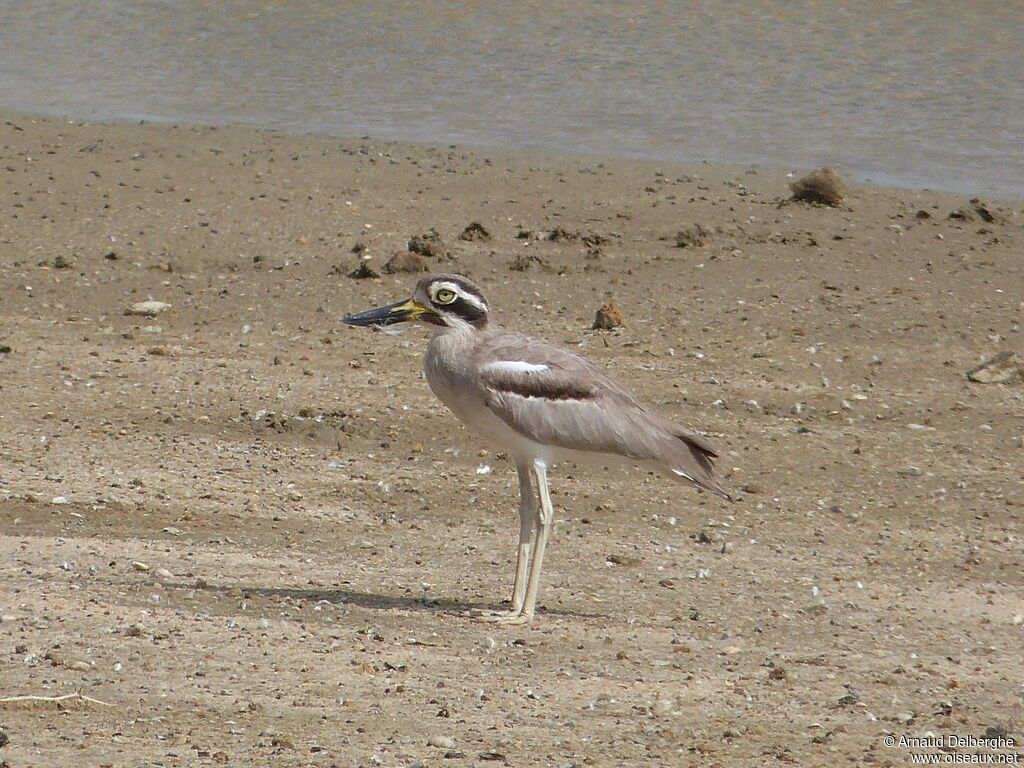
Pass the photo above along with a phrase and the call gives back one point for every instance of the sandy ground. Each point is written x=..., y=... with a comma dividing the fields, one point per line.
x=252, y=535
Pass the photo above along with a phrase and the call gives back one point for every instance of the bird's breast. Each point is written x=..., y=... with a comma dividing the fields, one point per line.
x=449, y=375
x=453, y=379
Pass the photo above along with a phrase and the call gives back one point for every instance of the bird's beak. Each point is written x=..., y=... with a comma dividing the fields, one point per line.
x=399, y=312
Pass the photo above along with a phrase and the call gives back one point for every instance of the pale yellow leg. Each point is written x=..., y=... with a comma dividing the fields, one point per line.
x=527, y=512
x=545, y=514
x=527, y=515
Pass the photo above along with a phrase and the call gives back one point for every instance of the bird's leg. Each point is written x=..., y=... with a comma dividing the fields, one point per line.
x=527, y=514
x=527, y=511
x=544, y=515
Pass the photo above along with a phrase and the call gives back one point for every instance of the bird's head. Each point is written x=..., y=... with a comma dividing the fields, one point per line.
x=448, y=301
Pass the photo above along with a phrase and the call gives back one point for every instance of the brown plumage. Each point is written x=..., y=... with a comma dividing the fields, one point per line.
x=573, y=403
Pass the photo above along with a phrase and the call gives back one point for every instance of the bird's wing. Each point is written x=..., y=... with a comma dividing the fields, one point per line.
x=553, y=396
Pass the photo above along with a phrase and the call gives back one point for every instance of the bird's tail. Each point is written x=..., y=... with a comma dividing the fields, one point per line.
x=689, y=456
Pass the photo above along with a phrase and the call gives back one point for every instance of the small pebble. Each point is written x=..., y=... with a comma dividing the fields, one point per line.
x=404, y=261
x=147, y=308
x=607, y=317
x=1005, y=368
x=475, y=231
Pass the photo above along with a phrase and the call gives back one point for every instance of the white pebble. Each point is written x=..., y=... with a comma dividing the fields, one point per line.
x=147, y=308
x=442, y=742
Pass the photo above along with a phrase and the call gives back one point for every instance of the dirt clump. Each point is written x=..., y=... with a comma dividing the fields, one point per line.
x=823, y=186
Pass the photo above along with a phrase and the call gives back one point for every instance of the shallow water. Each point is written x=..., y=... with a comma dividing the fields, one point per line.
x=917, y=94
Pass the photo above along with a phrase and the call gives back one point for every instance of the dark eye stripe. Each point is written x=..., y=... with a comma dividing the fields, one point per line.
x=471, y=313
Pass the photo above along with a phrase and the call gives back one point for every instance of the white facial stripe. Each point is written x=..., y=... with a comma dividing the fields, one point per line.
x=514, y=366
x=469, y=297
x=458, y=291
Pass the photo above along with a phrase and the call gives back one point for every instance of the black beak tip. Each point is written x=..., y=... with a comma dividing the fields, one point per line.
x=364, y=322
x=389, y=315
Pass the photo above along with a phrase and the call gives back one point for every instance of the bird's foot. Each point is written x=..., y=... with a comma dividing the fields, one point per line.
x=511, y=617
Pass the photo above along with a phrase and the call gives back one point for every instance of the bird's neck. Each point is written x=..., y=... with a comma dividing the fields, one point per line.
x=462, y=328
x=454, y=340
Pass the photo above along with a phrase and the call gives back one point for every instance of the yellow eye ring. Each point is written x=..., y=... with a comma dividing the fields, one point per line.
x=445, y=296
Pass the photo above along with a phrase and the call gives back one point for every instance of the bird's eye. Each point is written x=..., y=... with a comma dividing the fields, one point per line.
x=444, y=296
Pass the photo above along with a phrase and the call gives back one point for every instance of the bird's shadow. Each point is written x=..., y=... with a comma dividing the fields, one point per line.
x=380, y=602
